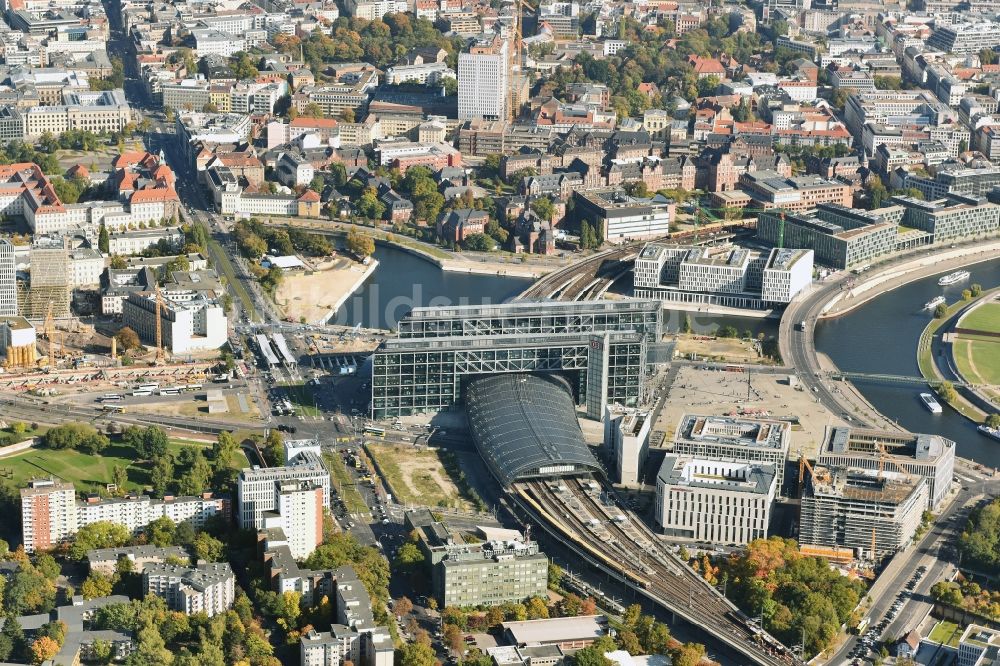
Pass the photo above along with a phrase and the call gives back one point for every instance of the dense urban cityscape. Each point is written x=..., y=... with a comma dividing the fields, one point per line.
x=509, y=333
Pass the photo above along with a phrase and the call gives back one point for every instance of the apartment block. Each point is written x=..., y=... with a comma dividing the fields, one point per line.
x=714, y=501
x=189, y=320
x=260, y=488
x=48, y=514
x=483, y=72
x=208, y=588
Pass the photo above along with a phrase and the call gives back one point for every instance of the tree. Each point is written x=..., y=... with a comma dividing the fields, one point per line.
x=993, y=420
x=966, y=294
x=208, y=548
x=543, y=208
x=497, y=232
x=161, y=531
x=102, y=534
x=11, y=638
x=689, y=654
x=197, y=477
x=127, y=339
x=947, y=391
x=479, y=243
x=103, y=239
x=416, y=654
x=402, y=606
x=43, y=649
x=118, y=262
x=360, y=244
x=686, y=324
x=75, y=436
x=453, y=638
x=940, y=311
x=977, y=290
x=97, y=585
x=151, y=649
x=369, y=205
x=555, y=576
x=988, y=56
x=224, y=451
x=876, y=192
x=727, y=332
x=537, y=609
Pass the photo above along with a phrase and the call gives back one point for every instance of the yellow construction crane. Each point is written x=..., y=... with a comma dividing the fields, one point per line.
x=159, y=326
x=883, y=455
x=516, y=56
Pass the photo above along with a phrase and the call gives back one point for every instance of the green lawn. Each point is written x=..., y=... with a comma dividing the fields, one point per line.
x=946, y=632
x=978, y=360
x=986, y=317
x=88, y=473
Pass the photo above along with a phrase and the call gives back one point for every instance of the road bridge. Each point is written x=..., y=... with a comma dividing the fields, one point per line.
x=888, y=379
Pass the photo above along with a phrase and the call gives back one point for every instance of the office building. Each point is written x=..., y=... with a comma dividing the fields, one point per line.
x=714, y=501
x=208, y=588
x=103, y=111
x=732, y=439
x=853, y=508
x=966, y=38
x=190, y=320
x=929, y=456
x=978, y=646
x=626, y=437
x=8, y=279
x=483, y=74
x=786, y=273
x=721, y=275
x=603, y=344
x=501, y=568
x=953, y=178
x=840, y=237
x=48, y=514
x=895, y=107
x=769, y=190
x=260, y=489
x=951, y=218
x=622, y=217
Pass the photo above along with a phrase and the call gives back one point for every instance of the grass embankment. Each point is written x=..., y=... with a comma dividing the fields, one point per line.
x=928, y=368
x=946, y=633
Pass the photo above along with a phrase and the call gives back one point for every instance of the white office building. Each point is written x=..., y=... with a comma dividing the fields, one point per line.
x=786, y=273
x=8, y=279
x=190, y=320
x=626, y=434
x=733, y=439
x=85, y=267
x=483, y=73
x=259, y=489
x=718, y=502
x=974, y=644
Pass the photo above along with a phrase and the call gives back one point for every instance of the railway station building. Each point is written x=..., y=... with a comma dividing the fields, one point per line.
x=599, y=347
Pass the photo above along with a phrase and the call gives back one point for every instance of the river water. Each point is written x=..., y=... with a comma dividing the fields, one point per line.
x=403, y=281
x=878, y=337
x=881, y=337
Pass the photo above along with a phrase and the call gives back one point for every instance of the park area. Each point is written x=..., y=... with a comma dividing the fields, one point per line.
x=977, y=346
x=423, y=477
x=90, y=472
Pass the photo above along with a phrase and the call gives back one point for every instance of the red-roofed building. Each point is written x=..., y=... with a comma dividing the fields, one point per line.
x=704, y=67
x=146, y=184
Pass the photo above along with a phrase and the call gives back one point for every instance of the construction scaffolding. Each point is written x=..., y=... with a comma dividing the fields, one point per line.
x=49, y=285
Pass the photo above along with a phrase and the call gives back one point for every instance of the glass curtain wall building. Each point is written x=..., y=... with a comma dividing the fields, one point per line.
x=599, y=346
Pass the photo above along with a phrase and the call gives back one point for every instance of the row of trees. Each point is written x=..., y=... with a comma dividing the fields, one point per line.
x=968, y=595
x=980, y=540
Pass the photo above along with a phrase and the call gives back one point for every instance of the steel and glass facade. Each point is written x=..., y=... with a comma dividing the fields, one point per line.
x=423, y=369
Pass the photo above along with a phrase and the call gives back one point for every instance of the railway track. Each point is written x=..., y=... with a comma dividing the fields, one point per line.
x=612, y=537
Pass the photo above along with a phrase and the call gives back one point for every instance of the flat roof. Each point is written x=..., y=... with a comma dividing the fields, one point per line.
x=735, y=431
x=557, y=630
x=693, y=472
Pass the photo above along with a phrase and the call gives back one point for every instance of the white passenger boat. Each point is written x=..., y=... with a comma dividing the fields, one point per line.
x=932, y=405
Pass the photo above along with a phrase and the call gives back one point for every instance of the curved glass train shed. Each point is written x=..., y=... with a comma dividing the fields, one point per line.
x=525, y=426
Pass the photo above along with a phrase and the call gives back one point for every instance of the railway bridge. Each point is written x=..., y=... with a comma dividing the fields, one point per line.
x=525, y=428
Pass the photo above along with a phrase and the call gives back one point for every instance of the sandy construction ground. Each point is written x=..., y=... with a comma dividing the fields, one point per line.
x=312, y=294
